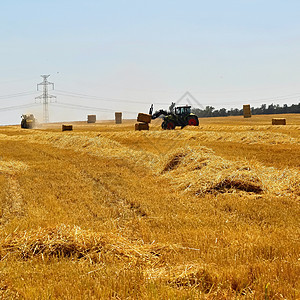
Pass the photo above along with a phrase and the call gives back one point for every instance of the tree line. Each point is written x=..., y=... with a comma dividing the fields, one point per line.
x=210, y=111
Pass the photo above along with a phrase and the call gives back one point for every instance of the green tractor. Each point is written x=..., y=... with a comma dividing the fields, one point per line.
x=181, y=116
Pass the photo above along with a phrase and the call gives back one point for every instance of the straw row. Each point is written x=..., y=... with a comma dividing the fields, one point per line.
x=200, y=171
x=74, y=242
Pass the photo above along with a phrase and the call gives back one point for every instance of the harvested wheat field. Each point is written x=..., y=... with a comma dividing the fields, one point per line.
x=104, y=211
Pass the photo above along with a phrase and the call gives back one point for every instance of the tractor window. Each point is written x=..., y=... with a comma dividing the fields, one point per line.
x=178, y=111
x=185, y=110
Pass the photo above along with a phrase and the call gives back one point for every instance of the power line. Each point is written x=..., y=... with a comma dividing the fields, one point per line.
x=18, y=107
x=21, y=94
x=85, y=96
x=84, y=107
x=17, y=80
x=45, y=97
x=273, y=99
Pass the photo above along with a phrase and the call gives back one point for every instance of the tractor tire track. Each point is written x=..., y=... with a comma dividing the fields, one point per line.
x=13, y=205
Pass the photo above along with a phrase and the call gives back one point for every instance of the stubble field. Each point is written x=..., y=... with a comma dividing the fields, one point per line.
x=208, y=212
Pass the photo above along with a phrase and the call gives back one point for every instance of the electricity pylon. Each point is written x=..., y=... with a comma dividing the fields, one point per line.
x=45, y=97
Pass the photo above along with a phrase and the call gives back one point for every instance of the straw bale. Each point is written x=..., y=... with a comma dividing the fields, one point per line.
x=246, y=107
x=118, y=117
x=67, y=127
x=247, y=115
x=91, y=118
x=141, y=126
x=247, y=111
x=144, y=118
x=278, y=121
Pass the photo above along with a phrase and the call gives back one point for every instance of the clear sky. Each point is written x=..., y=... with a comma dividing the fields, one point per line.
x=226, y=53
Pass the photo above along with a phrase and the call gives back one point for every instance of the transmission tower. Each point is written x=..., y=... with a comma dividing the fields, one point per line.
x=45, y=97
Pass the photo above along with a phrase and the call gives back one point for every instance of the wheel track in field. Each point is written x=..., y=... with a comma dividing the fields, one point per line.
x=125, y=206
x=13, y=204
x=12, y=201
x=123, y=209
x=114, y=199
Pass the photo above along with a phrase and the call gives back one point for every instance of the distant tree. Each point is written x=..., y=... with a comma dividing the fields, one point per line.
x=222, y=112
x=210, y=111
x=271, y=109
x=235, y=112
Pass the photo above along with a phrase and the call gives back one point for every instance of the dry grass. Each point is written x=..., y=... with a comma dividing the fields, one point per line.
x=73, y=242
x=106, y=212
x=199, y=170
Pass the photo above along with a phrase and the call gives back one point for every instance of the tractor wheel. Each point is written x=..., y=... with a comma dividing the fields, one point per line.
x=193, y=121
x=170, y=125
x=164, y=125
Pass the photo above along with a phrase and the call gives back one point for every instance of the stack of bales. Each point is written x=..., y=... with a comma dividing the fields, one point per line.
x=91, y=118
x=247, y=111
x=278, y=121
x=118, y=117
x=144, y=120
x=66, y=127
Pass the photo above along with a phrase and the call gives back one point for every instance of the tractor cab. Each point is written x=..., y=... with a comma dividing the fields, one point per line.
x=183, y=110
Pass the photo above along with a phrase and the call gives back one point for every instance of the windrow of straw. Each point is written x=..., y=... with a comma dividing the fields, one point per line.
x=93, y=144
x=243, y=134
x=76, y=243
x=197, y=170
x=200, y=171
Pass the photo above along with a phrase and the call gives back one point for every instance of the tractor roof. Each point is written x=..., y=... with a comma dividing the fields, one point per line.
x=187, y=106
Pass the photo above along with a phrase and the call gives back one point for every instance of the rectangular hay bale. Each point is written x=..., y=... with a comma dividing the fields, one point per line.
x=91, y=119
x=247, y=111
x=118, y=117
x=142, y=126
x=278, y=121
x=67, y=127
x=144, y=118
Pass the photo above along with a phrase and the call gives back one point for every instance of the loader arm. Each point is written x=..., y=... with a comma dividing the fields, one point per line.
x=159, y=113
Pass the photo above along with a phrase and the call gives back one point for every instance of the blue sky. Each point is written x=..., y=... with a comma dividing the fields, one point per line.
x=226, y=53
